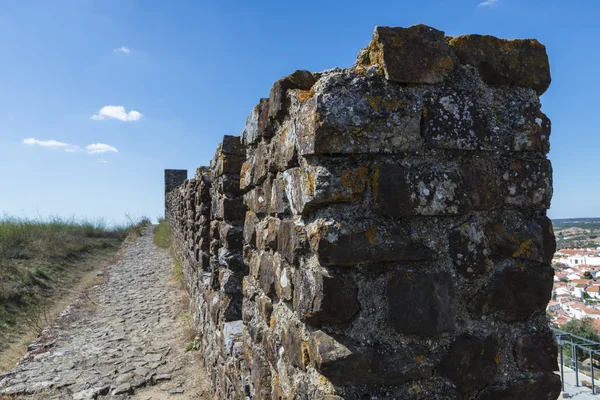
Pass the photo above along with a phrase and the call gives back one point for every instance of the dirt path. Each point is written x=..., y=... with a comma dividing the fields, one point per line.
x=120, y=340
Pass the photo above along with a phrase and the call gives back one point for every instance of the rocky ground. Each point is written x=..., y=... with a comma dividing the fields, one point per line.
x=122, y=339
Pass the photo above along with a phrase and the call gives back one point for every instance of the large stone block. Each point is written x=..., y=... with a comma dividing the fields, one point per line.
x=420, y=303
x=310, y=187
x=257, y=124
x=322, y=298
x=349, y=243
x=469, y=249
x=527, y=240
x=418, y=54
x=521, y=62
x=419, y=190
x=537, y=352
x=291, y=240
x=278, y=102
x=359, y=114
x=471, y=363
x=344, y=363
x=516, y=292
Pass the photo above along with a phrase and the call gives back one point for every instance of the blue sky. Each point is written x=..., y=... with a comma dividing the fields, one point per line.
x=189, y=72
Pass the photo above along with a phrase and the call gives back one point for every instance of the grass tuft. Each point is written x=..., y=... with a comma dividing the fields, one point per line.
x=162, y=234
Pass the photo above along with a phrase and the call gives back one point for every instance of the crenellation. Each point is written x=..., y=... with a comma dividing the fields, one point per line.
x=380, y=230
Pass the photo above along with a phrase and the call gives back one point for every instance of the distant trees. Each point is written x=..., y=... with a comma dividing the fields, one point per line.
x=588, y=275
x=581, y=327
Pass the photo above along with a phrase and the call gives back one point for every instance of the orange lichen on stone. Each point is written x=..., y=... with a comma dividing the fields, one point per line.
x=525, y=249
x=378, y=103
x=371, y=234
x=355, y=181
x=308, y=178
x=304, y=95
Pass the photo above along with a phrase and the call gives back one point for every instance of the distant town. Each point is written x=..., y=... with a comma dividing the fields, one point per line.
x=576, y=291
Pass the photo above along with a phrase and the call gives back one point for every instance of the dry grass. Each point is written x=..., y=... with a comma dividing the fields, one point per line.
x=42, y=261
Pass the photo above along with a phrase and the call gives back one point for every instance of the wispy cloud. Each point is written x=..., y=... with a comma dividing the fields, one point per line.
x=487, y=3
x=123, y=49
x=117, y=112
x=50, y=143
x=102, y=161
x=98, y=148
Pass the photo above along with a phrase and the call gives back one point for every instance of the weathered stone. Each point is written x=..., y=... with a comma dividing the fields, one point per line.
x=261, y=376
x=295, y=349
x=266, y=274
x=339, y=243
x=233, y=145
x=250, y=224
x=510, y=237
x=484, y=190
x=278, y=104
x=310, y=187
x=537, y=352
x=348, y=364
x=469, y=250
x=360, y=114
x=547, y=387
x=528, y=184
x=516, y=292
x=453, y=118
x=471, y=363
x=278, y=203
x=228, y=164
x=257, y=199
x=325, y=299
x=267, y=232
x=418, y=190
x=291, y=240
x=418, y=54
x=228, y=209
x=420, y=303
x=520, y=62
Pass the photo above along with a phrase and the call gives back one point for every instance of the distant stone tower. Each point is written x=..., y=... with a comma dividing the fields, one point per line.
x=173, y=178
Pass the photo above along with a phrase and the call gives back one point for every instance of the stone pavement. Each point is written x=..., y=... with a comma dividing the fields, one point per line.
x=580, y=392
x=122, y=336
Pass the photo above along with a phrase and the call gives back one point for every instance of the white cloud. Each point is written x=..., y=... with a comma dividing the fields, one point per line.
x=123, y=49
x=102, y=161
x=97, y=148
x=117, y=112
x=50, y=143
x=487, y=3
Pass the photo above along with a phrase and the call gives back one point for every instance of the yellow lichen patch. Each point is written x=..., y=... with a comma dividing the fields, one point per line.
x=421, y=359
x=550, y=228
x=447, y=64
x=272, y=322
x=525, y=249
x=304, y=95
x=497, y=358
x=309, y=181
x=378, y=103
x=245, y=166
x=355, y=181
x=371, y=234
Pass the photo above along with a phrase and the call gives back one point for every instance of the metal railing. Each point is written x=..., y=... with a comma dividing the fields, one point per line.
x=576, y=343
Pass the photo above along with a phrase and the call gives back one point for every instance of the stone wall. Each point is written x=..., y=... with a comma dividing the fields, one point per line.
x=381, y=231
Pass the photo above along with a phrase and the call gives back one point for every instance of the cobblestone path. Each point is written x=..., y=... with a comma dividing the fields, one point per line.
x=121, y=337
